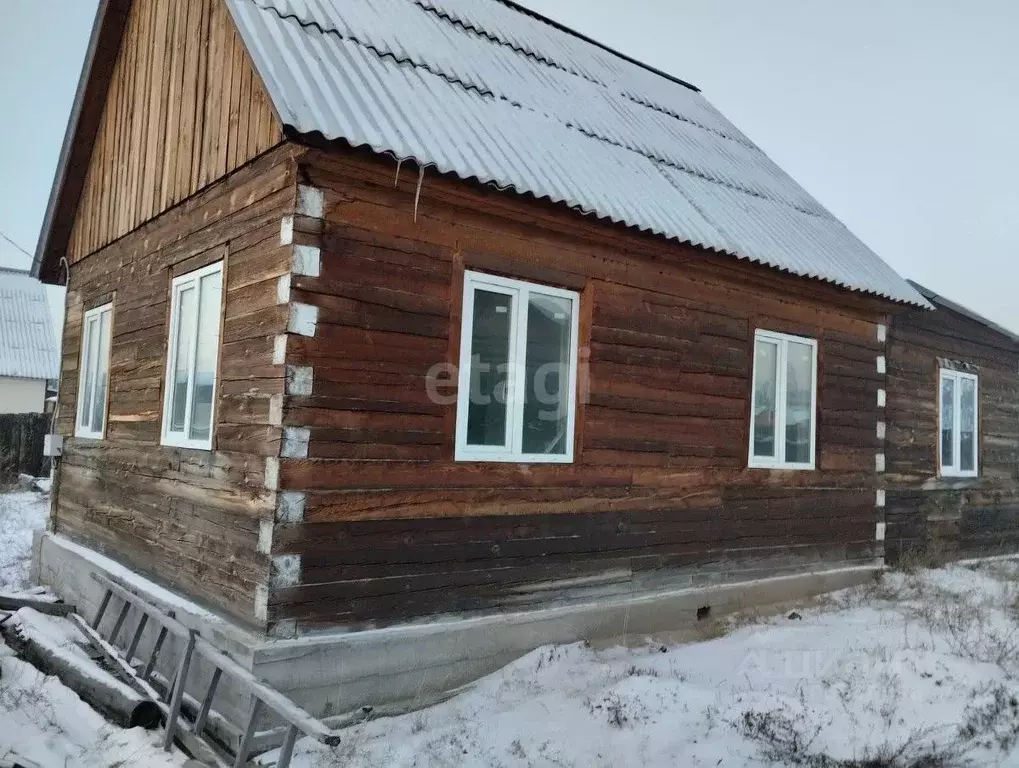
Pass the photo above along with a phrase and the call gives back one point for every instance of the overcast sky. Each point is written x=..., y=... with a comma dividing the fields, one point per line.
x=900, y=116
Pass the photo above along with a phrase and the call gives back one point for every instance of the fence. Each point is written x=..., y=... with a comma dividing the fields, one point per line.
x=21, y=445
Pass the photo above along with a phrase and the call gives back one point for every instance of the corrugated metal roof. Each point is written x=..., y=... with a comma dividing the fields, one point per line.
x=482, y=90
x=27, y=345
x=940, y=301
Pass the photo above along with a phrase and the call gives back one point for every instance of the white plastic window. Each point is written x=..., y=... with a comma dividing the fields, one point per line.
x=783, y=430
x=192, y=357
x=958, y=433
x=94, y=373
x=516, y=399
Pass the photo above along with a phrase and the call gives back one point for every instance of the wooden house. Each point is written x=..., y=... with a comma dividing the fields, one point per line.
x=953, y=434
x=381, y=312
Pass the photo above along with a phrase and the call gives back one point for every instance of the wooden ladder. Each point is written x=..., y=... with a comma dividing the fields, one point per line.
x=139, y=673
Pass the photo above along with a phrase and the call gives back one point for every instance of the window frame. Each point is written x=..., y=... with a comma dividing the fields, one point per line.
x=520, y=290
x=177, y=286
x=954, y=470
x=782, y=341
x=100, y=312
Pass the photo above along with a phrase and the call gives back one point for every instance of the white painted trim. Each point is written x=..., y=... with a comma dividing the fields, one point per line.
x=953, y=470
x=89, y=368
x=295, y=442
x=781, y=342
x=276, y=410
x=283, y=289
x=303, y=319
x=882, y=365
x=290, y=507
x=879, y=532
x=261, y=602
x=279, y=349
x=300, y=380
x=881, y=430
x=882, y=332
x=285, y=571
x=310, y=201
x=881, y=398
x=272, y=473
x=306, y=260
x=519, y=292
x=879, y=462
x=179, y=284
x=880, y=498
x=265, y=529
x=287, y=230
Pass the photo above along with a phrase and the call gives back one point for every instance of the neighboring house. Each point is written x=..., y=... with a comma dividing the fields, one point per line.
x=436, y=309
x=953, y=433
x=28, y=355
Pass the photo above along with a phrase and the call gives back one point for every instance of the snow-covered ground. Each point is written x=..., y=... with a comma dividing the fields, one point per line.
x=919, y=671
x=41, y=720
x=915, y=671
x=20, y=514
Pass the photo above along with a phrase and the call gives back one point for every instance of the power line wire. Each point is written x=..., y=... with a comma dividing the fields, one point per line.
x=5, y=237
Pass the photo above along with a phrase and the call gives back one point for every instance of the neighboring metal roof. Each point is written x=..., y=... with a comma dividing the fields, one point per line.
x=484, y=90
x=940, y=301
x=27, y=344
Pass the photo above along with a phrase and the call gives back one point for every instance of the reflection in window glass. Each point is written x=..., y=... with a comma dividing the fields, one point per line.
x=547, y=371
x=93, y=374
x=967, y=424
x=765, y=400
x=782, y=419
x=185, y=331
x=947, y=422
x=517, y=385
x=101, y=365
x=195, y=315
x=207, y=346
x=490, y=349
x=89, y=359
x=798, y=415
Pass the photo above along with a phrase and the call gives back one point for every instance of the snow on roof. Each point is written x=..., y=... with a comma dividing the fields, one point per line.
x=27, y=346
x=485, y=90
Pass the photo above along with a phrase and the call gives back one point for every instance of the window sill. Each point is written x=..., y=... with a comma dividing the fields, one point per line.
x=194, y=445
x=777, y=466
x=495, y=458
x=959, y=475
x=89, y=435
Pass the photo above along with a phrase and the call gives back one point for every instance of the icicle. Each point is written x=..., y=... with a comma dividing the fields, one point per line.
x=417, y=194
x=396, y=179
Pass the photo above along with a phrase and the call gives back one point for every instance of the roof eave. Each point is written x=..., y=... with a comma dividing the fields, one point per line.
x=937, y=300
x=82, y=127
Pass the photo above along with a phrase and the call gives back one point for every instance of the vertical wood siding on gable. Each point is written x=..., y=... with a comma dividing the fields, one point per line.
x=184, y=108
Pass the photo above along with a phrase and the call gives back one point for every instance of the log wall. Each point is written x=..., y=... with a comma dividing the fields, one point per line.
x=946, y=516
x=189, y=518
x=381, y=524
x=184, y=107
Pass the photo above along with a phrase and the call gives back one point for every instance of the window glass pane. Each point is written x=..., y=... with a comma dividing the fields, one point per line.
x=798, y=415
x=88, y=361
x=765, y=384
x=185, y=328
x=947, y=421
x=490, y=345
x=967, y=424
x=549, y=321
x=207, y=346
x=102, y=373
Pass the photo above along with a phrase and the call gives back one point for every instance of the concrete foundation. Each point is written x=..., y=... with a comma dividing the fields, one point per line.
x=401, y=668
